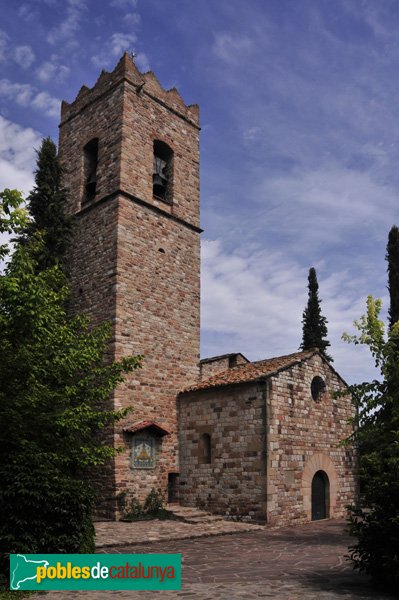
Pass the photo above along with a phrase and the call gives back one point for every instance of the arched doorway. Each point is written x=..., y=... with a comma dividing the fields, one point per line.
x=320, y=496
x=319, y=462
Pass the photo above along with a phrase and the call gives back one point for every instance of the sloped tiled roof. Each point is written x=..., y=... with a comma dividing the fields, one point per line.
x=252, y=371
x=140, y=425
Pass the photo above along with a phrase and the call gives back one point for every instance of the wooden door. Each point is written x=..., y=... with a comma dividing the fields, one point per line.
x=319, y=496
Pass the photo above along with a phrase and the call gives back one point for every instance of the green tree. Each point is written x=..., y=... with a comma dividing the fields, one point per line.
x=314, y=325
x=375, y=523
x=13, y=218
x=55, y=389
x=47, y=205
x=392, y=257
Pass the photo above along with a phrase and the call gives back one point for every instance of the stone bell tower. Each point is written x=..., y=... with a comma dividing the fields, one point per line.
x=130, y=151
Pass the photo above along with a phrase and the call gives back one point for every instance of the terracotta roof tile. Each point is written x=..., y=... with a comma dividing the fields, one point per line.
x=252, y=371
x=140, y=425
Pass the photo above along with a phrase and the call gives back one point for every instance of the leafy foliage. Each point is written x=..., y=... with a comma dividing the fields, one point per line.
x=13, y=218
x=47, y=207
x=392, y=257
x=375, y=523
x=155, y=501
x=152, y=508
x=314, y=325
x=55, y=387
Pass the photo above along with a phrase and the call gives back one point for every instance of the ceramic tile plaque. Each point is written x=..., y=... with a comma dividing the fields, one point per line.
x=143, y=453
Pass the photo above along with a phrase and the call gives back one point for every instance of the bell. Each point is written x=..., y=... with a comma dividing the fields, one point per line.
x=159, y=185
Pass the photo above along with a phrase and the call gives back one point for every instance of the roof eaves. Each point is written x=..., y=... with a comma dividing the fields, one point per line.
x=218, y=386
x=259, y=378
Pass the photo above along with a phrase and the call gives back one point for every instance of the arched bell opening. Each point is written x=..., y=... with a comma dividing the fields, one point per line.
x=162, y=171
x=320, y=496
x=90, y=152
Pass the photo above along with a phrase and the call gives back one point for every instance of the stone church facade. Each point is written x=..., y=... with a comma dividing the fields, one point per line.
x=130, y=152
x=261, y=439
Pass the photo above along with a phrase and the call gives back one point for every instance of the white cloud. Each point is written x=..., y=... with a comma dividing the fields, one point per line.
x=47, y=103
x=20, y=92
x=250, y=134
x=132, y=19
x=142, y=61
x=52, y=71
x=125, y=4
x=117, y=44
x=17, y=160
x=252, y=302
x=66, y=31
x=3, y=45
x=306, y=175
x=17, y=155
x=24, y=56
x=27, y=12
x=231, y=48
x=100, y=61
x=308, y=201
x=26, y=95
x=121, y=42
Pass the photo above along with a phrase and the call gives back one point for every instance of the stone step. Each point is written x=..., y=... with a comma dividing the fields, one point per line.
x=189, y=514
x=203, y=519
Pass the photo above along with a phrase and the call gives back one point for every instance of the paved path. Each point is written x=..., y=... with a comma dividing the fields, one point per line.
x=301, y=563
x=113, y=534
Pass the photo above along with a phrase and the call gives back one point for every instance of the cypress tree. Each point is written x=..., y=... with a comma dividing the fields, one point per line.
x=47, y=207
x=314, y=325
x=392, y=257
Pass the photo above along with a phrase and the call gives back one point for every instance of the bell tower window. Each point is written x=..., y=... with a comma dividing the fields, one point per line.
x=90, y=169
x=162, y=172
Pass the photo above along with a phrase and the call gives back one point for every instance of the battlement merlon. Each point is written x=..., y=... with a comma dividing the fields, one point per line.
x=144, y=83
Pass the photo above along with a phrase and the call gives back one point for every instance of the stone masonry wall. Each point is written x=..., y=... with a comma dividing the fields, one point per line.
x=157, y=316
x=234, y=482
x=93, y=276
x=145, y=120
x=212, y=367
x=100, y=119
x=303, y=437
x=158, y=290
x=135, y=260
x=93, y=257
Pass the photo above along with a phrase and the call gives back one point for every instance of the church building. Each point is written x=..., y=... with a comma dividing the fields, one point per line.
x=248, y=439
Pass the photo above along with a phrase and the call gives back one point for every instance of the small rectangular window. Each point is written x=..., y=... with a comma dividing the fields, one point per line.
x=206, y=449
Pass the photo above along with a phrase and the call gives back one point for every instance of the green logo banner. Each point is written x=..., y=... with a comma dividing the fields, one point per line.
x=95, y=571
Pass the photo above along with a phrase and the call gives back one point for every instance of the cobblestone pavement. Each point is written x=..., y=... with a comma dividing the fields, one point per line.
x=121, y=534
x=301, y=563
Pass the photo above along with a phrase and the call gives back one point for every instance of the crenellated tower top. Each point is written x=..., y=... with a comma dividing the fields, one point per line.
x=145, y=83
x=128, y=135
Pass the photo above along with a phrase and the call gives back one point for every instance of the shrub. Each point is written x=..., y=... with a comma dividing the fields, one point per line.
x=154, y=502
x=152, y=508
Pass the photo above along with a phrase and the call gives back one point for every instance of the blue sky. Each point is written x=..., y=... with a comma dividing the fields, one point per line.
x=299, y=143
